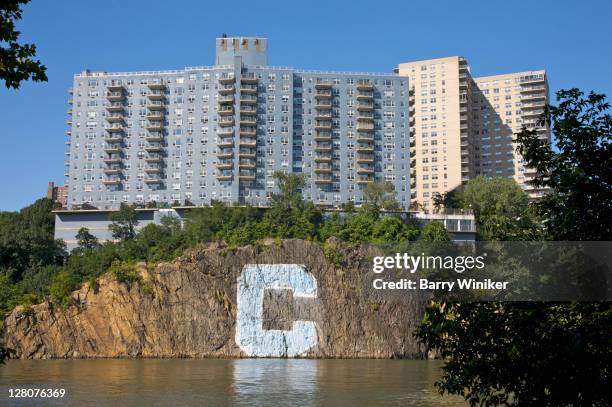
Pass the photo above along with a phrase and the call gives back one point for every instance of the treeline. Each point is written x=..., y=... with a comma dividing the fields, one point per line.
x=34, y=265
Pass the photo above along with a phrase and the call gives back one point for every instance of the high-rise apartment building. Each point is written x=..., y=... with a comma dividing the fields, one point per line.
x=200, y=134
x=463, y=126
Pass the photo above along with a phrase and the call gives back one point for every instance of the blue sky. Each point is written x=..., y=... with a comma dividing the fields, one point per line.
x=571, y=40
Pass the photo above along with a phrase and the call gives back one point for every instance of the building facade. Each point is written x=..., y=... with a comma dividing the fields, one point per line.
x=57, y=193
x=464, y=126
x=200, y=134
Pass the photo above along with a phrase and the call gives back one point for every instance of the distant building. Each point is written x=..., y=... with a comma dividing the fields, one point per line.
x=463, y=126
x=57, y=193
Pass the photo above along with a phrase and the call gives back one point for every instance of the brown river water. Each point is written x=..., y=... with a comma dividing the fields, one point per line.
x=212, y=382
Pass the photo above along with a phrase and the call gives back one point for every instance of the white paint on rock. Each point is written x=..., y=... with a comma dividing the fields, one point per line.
x=250, y=335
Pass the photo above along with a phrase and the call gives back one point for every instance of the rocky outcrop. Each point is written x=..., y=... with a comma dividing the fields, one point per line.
x=190, y=308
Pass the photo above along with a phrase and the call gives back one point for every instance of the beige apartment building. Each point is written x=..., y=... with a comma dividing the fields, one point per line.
x=464, y=126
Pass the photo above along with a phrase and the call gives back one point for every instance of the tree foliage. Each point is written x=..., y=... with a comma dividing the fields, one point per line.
x=500, y=206
x=17, y=61
x=536, y=354
x=380, y=195
x=124, y=222
x=86, y=240
x=577, y=173
x=527, y=354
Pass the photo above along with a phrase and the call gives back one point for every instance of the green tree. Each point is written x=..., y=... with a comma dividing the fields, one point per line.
x=576, y=174
x=540, y=354
x=61, y=288
x=124, y=222
x=434, y=232
x=500, y=206
x=380, y=195
x=526, y=354
x=86, y=240
x=17, y=61
x=289, y=216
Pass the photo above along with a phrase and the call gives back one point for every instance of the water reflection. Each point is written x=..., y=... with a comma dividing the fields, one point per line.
x=246, y=382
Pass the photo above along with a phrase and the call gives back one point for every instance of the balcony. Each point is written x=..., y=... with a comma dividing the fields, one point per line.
x=112, y=181
x=247, y=164
x=115, y=86
x=365, y=106
x=533, y=88
x=156, y=84
x=154, y=136
x=322, y=168
x=323, y=104
x=226, y=89
x=225, y=99
x=533, y=113
x=365, y=179
x=225, y=143
x=248, y=78
x=365, y=95
x=323, y=147
x=155, y=115
x=113, y=138
x=365, y=158
x=115, y=107
x=247, y=142
x=323, y=179
x=365, y=148
x=155, y=125
x=113, y=158
x=248, y=110
x=323, y=84
x=323, y=115
x=153, y=180
x=225, y=176
x=248, y=120
x=155, y=147
x=227, y=78
x=247, y=175
x=155, y=105
x=366, y=117
x=323, y=125
x=248, y=131
x=364, y=85
x=225, y=154
x=365, y=170
x=153, y=158
x=539, y=78
x=323, y=93
x=323, y=136
x=114, y=128
x=225, y=132
x=156, y=94
x=247, y=153
x=115, y=96
x=153, y=169
x=248, y=99
x=323, y=157
x=226, y=121
x=112, y=169
x=533, y=96
x=366, y=128
x=226, y=111
x=225, y=165
x=365, y=138
x=246, y=88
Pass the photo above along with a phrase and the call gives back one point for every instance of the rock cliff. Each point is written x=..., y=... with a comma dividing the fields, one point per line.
x=205, y=304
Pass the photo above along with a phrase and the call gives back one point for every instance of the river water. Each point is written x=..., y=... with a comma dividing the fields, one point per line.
x=242, y=382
